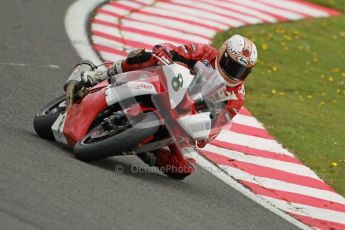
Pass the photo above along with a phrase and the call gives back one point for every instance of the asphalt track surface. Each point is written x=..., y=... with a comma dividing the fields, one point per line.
x=42, y=186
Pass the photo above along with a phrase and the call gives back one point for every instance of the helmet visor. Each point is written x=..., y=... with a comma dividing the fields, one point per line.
x=232, y=69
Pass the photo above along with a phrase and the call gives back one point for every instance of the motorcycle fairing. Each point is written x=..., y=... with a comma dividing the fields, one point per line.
x=81, y=115
x=114, y=94
x=135, y=83
x=175, y=79
x=58, y=127
x=172, y=80
x=178, y=79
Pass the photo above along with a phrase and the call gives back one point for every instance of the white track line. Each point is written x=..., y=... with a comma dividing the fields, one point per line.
x=248, y=120
x=162, y=30
x=190, y=17
x=175, y=24
x=285, y=186
x=297, y=7
x=165, y=31
x=248, y=19
x=153, y=28
x=115, y=9
x=297, y=169
x=285, y=13
x=306, y=210
x=128, y=35
x=253, y=142
x=205, y=15
x=253, y=12
x=108, y=42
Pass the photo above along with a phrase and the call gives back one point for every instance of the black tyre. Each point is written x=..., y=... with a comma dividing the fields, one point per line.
x=99, y=143
x=46, y=117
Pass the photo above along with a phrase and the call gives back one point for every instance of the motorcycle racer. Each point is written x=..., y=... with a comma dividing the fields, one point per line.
x=233, y=62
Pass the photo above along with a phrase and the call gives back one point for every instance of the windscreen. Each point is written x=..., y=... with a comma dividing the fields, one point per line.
x=207, y=87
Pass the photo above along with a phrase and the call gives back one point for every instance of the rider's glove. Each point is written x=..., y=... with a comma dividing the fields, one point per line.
x=91, y=78
x=163, y=54
x=116, y=68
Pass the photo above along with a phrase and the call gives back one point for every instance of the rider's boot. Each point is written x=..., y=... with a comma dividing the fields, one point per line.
x=172, y=163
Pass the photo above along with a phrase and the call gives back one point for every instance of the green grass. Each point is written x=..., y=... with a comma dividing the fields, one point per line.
x=298, y=89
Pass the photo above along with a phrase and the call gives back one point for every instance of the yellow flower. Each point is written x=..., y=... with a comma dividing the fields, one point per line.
x=315, y=59
x=343, y=74
x=274, y=68
x=335, y=70
x=280, y=31
x=287, y=37
x=264, y=46
x=338, y=90
x=309, y=96
x=322, y=103
x=323, y=94
x=282, y=93
x=274, y=91
x=334, y=164
x=331, y=79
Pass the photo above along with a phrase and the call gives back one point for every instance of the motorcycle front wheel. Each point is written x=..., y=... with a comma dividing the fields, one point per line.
x=46, y=117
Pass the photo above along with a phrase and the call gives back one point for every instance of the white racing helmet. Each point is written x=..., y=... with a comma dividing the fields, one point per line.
x=236, y=58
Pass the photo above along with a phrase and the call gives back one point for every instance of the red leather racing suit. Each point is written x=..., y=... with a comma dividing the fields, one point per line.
x=187, y=54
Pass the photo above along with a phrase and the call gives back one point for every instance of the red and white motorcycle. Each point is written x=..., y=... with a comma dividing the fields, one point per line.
x=134, y=112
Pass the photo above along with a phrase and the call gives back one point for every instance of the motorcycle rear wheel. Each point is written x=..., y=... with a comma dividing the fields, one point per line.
x=100, y=143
